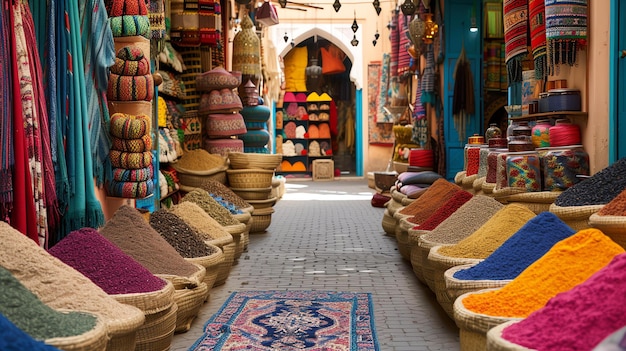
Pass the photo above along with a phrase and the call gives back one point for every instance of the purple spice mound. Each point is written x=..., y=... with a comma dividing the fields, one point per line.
x=90, y=253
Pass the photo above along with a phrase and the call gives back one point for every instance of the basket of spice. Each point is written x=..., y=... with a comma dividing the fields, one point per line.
x=67, y=289
x=124, y=279
x=611, y=219
x=576, y=258
x=459, y=225
x=250, y=178
x=196, y=166
x=475, y=248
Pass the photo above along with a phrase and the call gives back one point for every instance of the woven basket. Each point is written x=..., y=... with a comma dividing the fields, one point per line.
x=468, y=183
x=240, y=160
x=389, y=223
x=246, y=218
x=237, y=230
x=458, y=178
x=457, y=287
x=407, y=200
x=402, y=234
x=261, y=219
x=613, y=226
x=473, y=327
x=478, y=186
x=424, y=246
x=397, y=196
x=577, y=217
x=258, y=204
x=210, y=264
x=441, y=264
x=228, y=250
x=253, y=193
x=416, y=258
x=535, y=201
x=158, y=330
x=488, y=188
x=94, y=339
x=149, y=302
x=495, y=341
x=195, y=179
x=189, y=302
x=250, y=178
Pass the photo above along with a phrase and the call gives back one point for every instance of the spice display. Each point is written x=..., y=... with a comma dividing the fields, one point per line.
x=432, y=198
x=199, y=160
x=13, y=338
x=562, y=166
x=179, y=234
x=226, y=204
x=599, y=189
x=523, y=170
x=464, y=221
x=105, y=264
x=28, y=313
x=216, y=188
x=444, y=211
x=502, y=176
x=568, y=263
x=492, y=165
x=617, y=206
x=523, y=248
x=473, y=159
x=486, y=239
x=207, y=227
x=133, y=234
x=482, y=162
x=210, y=206
x=580, y=318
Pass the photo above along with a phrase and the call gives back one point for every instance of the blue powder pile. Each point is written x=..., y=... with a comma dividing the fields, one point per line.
x=527, y=245
x=14, y=339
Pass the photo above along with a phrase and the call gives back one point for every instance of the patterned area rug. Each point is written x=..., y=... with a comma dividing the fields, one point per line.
x=291, y=320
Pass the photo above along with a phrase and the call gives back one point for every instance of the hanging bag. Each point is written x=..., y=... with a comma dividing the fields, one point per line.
x=266, y=14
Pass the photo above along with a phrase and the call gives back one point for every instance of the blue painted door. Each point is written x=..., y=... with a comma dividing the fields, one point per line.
x=458, y=16
x=617, y=146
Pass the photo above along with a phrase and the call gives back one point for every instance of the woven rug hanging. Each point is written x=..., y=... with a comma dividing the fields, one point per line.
x=515, y=37
x=537, y=13
x=566, y=31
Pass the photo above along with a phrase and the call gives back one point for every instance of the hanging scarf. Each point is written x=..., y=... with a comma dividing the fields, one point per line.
x=566, y=31
x=515, y=37
x=394, y=38
x=463, y=103
x=23, y=213
x=537, y=21
x=84, y=209
x=404, y=42
x=428, y=79
x=420, y=122
x=45, y=176
x=6, y=125
x=383, y=100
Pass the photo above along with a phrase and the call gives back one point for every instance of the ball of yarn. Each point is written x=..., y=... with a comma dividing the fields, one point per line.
x=127, y=126
x=564, y=134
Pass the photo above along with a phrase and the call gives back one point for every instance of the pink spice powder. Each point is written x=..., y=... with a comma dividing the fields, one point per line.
x=578, y=319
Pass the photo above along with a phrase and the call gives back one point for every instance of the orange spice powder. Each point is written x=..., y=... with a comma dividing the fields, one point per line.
x=486, y=239
x=570, y=262
x=434, y=197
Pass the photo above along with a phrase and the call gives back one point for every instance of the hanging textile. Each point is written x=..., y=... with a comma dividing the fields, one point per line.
x=428, y=78
x=394, y=38
x=381, y=116
x=404, y=42
x=537, y=22
x=566, y=31
x=463, y=103
x=515, y=37
x=6, y=122
x=420, y=122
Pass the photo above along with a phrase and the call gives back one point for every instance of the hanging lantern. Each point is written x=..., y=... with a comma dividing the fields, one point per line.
x=354, y=41
x=408, y=8
x=247, y=49
x=336, y=5
x=376, y=4
x=282, y=3
x=354, y=26
x=416, y=30
x=286, y=37
x=430, y=29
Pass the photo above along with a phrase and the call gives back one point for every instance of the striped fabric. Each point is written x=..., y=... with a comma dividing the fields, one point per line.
x=566, y=30
x=515, y=36
x=538, y=36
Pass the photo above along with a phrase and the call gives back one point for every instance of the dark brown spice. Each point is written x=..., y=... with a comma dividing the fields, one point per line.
x=179, y=234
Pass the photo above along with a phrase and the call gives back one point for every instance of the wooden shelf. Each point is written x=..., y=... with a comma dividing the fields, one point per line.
x=555, y=114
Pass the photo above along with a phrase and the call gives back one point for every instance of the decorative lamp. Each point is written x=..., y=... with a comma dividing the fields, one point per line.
x=354, y=26
x=282, y=3
x=354, y=41
x=430, y=28
x=336, y=5
x=416, y=30
x=408, y=8
x=286, y=37
x=376, y=4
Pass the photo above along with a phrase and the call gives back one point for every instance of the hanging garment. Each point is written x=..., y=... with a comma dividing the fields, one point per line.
x=6, y=122
x=515, y=37
x=463, y=103
x=537, y=22
x=566, y=31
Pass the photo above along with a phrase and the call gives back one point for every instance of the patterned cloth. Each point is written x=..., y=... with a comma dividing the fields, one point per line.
x=537, y=21
x=6, y=123
x=404, y=42
x=515, y=37
x=566, y=30
x=394, y=38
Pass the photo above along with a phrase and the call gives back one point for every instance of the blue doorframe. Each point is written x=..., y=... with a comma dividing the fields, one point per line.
x=457, y=19
x=617, y=74
x=359, y=132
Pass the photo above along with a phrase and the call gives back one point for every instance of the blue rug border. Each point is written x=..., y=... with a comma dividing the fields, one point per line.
x=370, y=306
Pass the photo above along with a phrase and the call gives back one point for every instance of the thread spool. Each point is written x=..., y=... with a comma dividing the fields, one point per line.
x=564, y=133
x=421, y=158
x=540, y=134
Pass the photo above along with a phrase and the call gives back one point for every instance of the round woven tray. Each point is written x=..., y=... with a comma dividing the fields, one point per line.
x=250, y=178
x=495, y=341
x=441, y=264
x=577, y=217
x=241, y=160
x=195, y=180
x=613, y=226
x=457, y=287
x=416, y=259
x=158, y=330
x=473, y=327
x=261, y=219
x=94, y=339
x=389, y=223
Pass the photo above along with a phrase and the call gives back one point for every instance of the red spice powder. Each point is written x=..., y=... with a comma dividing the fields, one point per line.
x=444, y=211
x=436, y=195
x=105, y=264
x=617, y=206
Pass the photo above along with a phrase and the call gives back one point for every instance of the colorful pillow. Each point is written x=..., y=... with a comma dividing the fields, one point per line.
x=332, y=63
x=295, y=63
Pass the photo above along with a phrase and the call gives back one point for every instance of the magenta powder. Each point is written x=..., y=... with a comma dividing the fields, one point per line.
x=105, y=264
x=580, y=318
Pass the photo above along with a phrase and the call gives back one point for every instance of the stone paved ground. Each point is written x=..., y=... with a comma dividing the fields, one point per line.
x=327, y=236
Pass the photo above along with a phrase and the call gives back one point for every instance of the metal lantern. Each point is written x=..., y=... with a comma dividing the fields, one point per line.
x=416, y=30
x=430, y=29
x=408, y=8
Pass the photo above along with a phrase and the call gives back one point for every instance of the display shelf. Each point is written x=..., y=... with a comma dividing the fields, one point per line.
x=556, y=114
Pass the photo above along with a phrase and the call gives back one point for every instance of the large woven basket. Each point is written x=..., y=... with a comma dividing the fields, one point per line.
x=398, y=196
x=246, y=218
x=613, y=226
x=478, y=186
x=535, y=201
x=389, y=223
x=211, y=265
x=253, y=193
x=265, y=203
x=467, y=183
x=495, y=341
x=158, y=330
x=577, y=217
x=457, y=287
x=189, y=295
x=241, y=160
x=250, y=178
x=227, y=245
x=416, y=258
x=473, y=327
x=402, y=234
x=94, y=339
x=195, y=179
x=423, y=249
x=237, y=230
x=441, y=264
x=261, y=219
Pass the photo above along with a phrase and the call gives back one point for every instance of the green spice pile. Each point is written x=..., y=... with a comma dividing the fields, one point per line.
x=213, y=208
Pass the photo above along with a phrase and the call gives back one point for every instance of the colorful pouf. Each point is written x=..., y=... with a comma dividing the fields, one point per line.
x=222, y=147
x=258, y=113
x=127, y=126
x=130, y=88
x=126, y=7
x=132, y=175
x=130, y=190
x=255, y=138
x=141, y=144
x=217, y=78
x=224, y=125
x=219, y=101
x=130, y=26
x=562, y=166
x=130, y=160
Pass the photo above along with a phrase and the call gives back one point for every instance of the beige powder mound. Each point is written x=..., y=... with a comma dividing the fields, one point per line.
x=61, y=286
x=197, y=218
